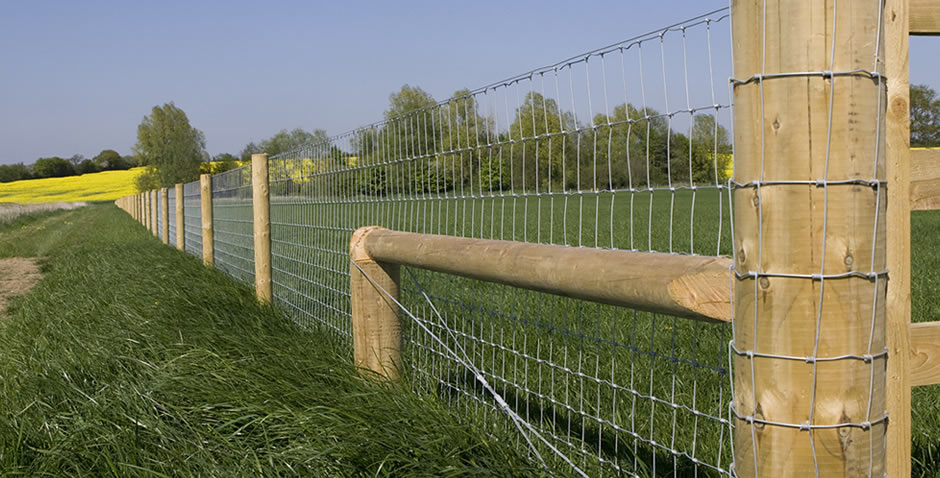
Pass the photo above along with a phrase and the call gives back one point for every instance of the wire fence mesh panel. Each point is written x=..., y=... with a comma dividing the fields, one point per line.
x=171, y=214
x=232, y=223
x=192, y=218
x=625, y=147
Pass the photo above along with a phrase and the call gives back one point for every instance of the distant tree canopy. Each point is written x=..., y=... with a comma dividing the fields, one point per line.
x=109, y=159
x=544, y=147
x=54, y=167
x=14, y=172
x=170, y=147
x=925, y=116
x=284, y=141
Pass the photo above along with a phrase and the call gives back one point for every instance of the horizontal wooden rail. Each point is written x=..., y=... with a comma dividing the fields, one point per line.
x=925, y=179
x=693, y=287
x=925, y=353
x=925, y=17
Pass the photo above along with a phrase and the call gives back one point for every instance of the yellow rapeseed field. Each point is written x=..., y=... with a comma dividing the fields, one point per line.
x=103, y=186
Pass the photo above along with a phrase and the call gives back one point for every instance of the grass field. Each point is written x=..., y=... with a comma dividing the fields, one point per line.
x=103, y=186
x=132, y=359
x=599, y=379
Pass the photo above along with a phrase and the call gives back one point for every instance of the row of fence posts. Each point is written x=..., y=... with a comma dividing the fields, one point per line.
x=152, y=210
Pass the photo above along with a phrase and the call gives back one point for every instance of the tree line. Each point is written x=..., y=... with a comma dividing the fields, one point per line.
x=628, y=147
x=54, y=167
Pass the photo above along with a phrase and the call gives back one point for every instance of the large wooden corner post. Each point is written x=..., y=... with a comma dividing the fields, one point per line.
x=809, y=348
x=376, y=326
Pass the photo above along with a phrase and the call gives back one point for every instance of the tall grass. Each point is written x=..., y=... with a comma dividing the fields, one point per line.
x=131, y=359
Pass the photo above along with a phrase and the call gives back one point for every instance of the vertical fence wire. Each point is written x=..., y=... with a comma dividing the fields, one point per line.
x=843, y=356
x=624, y=147
x=192, y=218
x=232, y=223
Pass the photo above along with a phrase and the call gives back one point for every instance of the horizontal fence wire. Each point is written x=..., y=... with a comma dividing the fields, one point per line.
x=232, y=223
x=625, y=147
x=171, y=210
x=192, y=218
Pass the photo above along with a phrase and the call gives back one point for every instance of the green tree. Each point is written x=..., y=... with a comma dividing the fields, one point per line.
x=169, y=146
x=285, y=141
x=54, y=167
x=711, y=150
x=548, y=152
x=925, y=116
x=14, y=172
x=86, y=166
x=109, y=159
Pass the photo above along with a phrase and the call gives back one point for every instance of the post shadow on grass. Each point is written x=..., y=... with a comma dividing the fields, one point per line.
x=568, y=426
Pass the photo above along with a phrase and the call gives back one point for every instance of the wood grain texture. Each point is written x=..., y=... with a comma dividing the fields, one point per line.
x=781, y=133
x=693, y=287
x=376, y=325
x=208, y=242
x=165, y=215
x=898, y=401
x=261, y=207
x=925, y=353
x=925, y=17
x=925, y=179
x=180, y=218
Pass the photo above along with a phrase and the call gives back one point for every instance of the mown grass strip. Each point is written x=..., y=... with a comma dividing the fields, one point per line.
x=132, y=359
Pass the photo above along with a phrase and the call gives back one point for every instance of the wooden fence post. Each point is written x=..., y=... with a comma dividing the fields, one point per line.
x=376, y=327
x=205, y=190
x=165, y=215
x=180, y=218
x=154, y=213
x=148, y=211
x=898, y=16
x=809, y=240
x=261, y=206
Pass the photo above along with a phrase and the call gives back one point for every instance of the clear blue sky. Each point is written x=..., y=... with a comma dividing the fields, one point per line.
x=78, y=77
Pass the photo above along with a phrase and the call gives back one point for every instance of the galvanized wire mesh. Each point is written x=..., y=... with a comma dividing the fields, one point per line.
x=624, y=147
x=192, y=218
x=171, y=210
x=232, y=223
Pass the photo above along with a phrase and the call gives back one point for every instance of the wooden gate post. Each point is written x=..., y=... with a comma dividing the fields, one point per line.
x=261, y=206
x=165, y=215
x=205, y=193
x=376, y=327
x=809, y=239
x=180, y=218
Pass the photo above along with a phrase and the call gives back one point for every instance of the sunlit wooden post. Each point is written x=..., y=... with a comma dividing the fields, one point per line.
x=262, y=226
x=205, y=190
x=809, y=243
x=154, y=212
x=376, y=327
x=180, y=218
x=165, y=215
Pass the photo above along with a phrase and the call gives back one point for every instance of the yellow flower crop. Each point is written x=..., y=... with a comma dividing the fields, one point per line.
x=103, y=186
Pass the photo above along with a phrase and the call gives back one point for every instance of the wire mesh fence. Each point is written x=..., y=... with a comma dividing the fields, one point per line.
x=232, y=223
x=171, y=214
x=624, y=147
x=192, y=218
